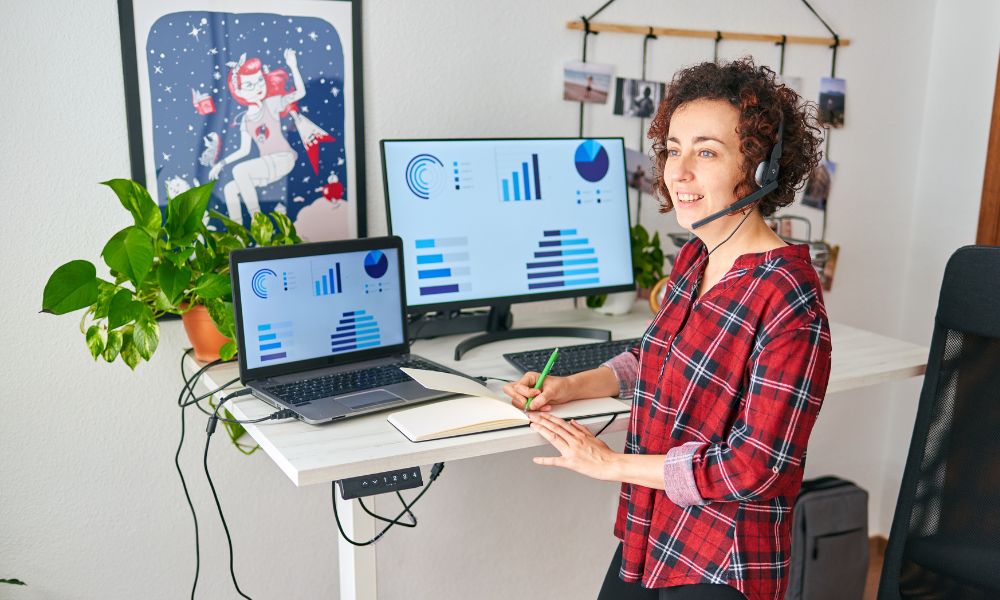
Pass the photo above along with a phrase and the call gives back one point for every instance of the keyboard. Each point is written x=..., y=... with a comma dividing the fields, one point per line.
x=307, y=390
x=572, y=359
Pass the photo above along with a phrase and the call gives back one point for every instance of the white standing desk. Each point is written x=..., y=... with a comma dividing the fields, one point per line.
x=311, y=454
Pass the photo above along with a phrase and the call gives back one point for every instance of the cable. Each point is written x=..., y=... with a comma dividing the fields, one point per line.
x=435, y=472
x=187, y=496
x=606, y=425
x=413, y=517
x=208, y=440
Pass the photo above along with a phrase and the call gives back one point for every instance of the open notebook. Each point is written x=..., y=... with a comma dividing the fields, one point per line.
x=478, y=409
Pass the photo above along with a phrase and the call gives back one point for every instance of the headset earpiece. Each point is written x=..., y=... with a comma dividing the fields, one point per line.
x=758, y=175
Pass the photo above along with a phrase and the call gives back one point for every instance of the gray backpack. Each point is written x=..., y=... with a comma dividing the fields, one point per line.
x=829, y=541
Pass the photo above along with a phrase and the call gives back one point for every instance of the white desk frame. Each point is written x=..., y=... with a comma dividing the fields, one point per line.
x=319, y=454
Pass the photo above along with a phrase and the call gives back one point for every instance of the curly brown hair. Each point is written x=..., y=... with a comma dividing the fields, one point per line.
x=761, y=100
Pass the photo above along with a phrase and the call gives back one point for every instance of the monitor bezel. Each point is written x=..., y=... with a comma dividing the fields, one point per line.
x=501, y=300
x=244, y=255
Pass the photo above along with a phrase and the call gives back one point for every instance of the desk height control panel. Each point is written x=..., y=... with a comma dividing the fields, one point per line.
x=380, y=483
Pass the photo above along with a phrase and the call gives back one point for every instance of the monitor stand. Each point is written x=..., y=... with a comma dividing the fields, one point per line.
x=498, y=327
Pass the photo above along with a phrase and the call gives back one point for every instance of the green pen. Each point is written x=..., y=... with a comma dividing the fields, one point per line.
x=545, y=373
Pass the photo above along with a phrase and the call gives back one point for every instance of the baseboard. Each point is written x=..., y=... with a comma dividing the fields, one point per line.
x=877, y=545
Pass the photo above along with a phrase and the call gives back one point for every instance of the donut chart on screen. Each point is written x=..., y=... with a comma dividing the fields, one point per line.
x=591, y=160
x=376, y=264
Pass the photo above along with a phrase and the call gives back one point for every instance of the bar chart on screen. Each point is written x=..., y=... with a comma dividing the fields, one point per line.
x=562, y=258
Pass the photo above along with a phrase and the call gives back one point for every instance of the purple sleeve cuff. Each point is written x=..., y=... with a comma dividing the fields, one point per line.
x=678, y=476
x=625, y=366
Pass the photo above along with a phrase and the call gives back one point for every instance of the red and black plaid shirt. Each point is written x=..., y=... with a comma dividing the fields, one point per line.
x=728, y=386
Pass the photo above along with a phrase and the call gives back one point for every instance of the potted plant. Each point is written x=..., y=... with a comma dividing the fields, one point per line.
x=647, y=267
x=176, y=265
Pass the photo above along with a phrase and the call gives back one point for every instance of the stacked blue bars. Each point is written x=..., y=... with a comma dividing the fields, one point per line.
x=356, y=331
x=329, y=283
x=443, y=272
x=272, y=338
x=523, y=177
x=561, y=252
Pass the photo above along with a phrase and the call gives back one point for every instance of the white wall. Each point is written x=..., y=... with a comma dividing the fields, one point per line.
x=90, y=506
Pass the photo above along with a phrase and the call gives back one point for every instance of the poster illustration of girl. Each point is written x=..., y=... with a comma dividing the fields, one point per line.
x=267, y=102
x=255, y=101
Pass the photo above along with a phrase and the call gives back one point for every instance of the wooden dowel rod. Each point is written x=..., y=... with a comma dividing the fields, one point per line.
x=698, y=33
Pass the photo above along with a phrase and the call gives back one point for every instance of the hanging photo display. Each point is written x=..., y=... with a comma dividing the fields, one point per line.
x=637, y=98
x=640, y=170
x=826, y=274
x=832, y=92
x=819, y=184
x=586, y=82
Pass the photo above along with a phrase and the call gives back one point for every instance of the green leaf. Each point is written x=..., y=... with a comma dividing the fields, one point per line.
x=173, y=280
x=161, y=302
x=212, y=285
x=105, y=292
x=185, y=212
x=129, y=351
x=223, y=317
x=137, y=201
x=71, y=287
x=114, y=345
x=227, y=351
x=232, y=227
x=262, y=229
x=123, y=309
x=13, y=581
x=97, y=337
x=130, y=252
x=596, y=301
x=146, y=336
x=284, y=225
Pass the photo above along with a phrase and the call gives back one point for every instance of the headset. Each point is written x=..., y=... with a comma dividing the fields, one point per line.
x=765, y=176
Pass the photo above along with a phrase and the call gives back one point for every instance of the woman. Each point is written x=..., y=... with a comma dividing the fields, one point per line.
x=728, y=379
x=267, y=102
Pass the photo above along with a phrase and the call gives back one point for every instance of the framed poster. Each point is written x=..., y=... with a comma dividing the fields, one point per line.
x=263, y=96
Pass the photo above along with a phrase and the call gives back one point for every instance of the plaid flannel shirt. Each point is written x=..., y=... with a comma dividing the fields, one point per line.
x=728, y=387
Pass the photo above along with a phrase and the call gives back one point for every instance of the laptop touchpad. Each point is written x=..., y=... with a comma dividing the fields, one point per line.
x=368, y=399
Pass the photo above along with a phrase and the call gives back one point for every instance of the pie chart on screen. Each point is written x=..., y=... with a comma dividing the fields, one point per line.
x=376, y=264
x=591, y=161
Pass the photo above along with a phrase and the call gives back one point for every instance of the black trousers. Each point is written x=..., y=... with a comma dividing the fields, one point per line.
x=616, y=589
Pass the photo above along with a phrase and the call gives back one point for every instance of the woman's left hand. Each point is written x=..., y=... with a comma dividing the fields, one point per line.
x=580, y=449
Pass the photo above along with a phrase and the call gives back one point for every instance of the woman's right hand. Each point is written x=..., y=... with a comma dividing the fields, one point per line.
x=213, y=173
x=555, y=390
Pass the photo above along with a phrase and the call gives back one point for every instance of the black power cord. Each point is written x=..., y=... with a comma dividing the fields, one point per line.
x=435, y=472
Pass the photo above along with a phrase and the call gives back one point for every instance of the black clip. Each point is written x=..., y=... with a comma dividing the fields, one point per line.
x=586, y=27
x=718, y=36
x=836, y=42
x=784, y=40
x=650, y=35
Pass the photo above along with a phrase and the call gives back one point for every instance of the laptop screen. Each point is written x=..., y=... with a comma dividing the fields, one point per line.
x=309, y=307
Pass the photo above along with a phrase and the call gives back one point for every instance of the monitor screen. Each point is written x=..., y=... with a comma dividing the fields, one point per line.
x=508, y=220
x=308, y=307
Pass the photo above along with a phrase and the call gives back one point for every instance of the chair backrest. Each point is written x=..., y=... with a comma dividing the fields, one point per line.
x=945, y=536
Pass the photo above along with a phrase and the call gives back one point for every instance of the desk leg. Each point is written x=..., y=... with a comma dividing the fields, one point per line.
x=357, y=564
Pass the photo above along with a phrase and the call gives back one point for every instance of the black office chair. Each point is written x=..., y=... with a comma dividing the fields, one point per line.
x=945, y=536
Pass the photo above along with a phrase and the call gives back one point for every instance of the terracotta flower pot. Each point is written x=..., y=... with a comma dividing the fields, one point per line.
x=203, y=334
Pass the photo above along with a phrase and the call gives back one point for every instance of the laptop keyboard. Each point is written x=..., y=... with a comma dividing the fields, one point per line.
x=572, y=359
x=300, y=392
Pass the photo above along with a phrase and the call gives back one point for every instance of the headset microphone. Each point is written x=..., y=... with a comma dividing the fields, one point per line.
x=766, y=176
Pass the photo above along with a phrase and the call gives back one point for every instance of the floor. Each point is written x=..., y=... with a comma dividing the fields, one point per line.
x=876, y=550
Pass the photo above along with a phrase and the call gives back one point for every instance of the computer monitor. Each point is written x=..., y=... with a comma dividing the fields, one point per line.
x=491, y=222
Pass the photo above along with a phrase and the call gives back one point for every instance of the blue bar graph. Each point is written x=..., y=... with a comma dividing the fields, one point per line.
x=356, y=331
x=273, y=336
x=524, y=175
x=555, y=232
x=326, y=279
x=433, y=273
x=427, y=259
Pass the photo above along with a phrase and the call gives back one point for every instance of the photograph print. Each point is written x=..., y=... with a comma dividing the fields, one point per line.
x=832, y=92
x=637, y=98
x=586, y=82
x=640, y=171
x=819, y=184
x=264, y=99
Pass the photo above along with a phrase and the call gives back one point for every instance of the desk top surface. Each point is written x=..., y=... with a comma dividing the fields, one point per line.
x=311, y=454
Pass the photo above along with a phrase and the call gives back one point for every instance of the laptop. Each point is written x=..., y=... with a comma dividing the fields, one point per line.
x=322, y=328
